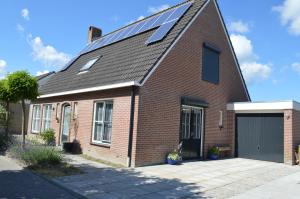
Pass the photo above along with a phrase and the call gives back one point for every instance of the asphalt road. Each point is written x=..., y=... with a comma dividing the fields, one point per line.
x=15, y=183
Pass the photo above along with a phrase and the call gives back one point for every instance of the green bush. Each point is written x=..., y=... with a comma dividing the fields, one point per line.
x=174, y=156
x=214, y=151
x=4, y=142
x=35, y=155
x=48, y=136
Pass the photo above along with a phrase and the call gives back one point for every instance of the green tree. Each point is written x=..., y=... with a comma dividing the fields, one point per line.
x=22, y=86
x=6, y=98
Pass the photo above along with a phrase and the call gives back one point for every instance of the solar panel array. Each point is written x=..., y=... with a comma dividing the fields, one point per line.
x=165, y=21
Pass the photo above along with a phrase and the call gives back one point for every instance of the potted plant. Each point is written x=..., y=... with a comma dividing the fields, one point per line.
x=213, y=153
x=174, y=158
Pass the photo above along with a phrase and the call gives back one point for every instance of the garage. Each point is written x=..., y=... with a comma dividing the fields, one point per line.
x=260, y=136
x=268, y=131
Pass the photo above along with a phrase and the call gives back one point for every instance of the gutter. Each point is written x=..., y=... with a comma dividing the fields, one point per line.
x=131, y=123
x=91, y=89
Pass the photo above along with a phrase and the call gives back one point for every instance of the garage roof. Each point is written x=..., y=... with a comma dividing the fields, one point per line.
x=263, y=107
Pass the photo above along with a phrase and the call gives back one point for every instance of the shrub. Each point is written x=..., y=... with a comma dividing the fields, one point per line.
x=35, y=155
x=41, y=156
x=48, y=136
x=174, y=156
x=4, y=142
x=213, y=151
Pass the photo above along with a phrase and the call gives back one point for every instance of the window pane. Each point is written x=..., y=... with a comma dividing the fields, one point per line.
x=107, y=133
x=108, y=112
x=97, y=131
x=99, y=112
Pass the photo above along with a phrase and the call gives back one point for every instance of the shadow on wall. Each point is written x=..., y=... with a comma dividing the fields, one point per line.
x=127, y=183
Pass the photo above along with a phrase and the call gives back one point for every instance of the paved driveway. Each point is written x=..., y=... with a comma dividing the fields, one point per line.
x=202, y=179
x=17, y=183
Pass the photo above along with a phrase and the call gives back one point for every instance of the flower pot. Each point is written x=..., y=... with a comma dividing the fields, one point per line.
x=173, y=162
x=213, y=157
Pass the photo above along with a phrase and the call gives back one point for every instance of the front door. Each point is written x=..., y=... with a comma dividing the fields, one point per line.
x=191, y=132
x=65, y=125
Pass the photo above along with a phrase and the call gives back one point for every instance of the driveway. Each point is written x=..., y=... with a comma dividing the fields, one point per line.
x=202, y=179
x=18, y=183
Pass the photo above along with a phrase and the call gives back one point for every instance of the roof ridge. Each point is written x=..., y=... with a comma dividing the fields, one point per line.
x=138, y=21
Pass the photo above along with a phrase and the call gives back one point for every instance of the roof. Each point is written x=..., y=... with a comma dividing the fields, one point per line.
x=263, y=107
x=39, y=77
x=44, y=78
x=129, y=60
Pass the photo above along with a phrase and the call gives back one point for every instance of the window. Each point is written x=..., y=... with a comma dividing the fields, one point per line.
x=210, y=64
x=89, y=64
x=46, y=122
x=102, y=122
x=36, y=118
x=191, y=122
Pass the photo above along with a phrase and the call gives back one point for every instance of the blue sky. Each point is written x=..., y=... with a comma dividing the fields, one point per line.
x=41, y=36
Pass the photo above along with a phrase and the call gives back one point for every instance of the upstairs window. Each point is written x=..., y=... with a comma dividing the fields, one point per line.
x=210, y=64
x=89, y=64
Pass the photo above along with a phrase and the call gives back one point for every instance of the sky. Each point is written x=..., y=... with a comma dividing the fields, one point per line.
x=41, y=36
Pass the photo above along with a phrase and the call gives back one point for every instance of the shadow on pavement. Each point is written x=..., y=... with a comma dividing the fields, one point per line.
x=127, y=183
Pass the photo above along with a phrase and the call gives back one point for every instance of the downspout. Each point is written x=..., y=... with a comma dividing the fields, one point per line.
x=130, y=137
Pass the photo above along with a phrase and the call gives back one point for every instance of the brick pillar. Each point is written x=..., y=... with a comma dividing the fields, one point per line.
x=288, y=137
x=231, y=130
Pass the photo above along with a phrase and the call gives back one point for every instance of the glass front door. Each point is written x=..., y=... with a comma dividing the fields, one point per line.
x=191, y=132
x=65, y=125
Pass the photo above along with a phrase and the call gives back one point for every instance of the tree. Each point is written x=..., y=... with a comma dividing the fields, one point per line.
x=22, y=86
x=6, y=98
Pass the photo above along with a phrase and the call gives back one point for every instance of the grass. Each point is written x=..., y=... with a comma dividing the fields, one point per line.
x=108, y=163
x=59, y=170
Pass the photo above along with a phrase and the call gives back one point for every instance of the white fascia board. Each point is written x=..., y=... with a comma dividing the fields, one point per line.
x=91, y=89
x=175, y=42
x=263, y=106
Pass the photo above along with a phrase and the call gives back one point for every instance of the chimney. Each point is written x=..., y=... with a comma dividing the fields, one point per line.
x=94, y=33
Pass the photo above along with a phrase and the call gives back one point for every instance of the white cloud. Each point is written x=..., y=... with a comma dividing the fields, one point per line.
x=139, y=18
x=290, y=15
x=25, y=14
x=47, y=54
x=296, y=67
x=20, y=28
x=253, y=71
x=153, y=10
x=239, y=27
x=38, y=73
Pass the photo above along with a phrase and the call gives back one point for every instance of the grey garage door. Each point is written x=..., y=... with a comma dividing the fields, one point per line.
x=260, y=136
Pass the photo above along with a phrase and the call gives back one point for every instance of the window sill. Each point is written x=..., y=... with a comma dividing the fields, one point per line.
x=35, y=132
x=100, y=144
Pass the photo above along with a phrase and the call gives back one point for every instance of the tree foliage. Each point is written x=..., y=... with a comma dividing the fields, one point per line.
x=22, y=86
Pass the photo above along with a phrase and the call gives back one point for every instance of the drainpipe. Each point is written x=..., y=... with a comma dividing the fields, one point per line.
x=130, y=137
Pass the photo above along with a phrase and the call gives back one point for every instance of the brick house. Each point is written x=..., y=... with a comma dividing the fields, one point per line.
x=133, y=95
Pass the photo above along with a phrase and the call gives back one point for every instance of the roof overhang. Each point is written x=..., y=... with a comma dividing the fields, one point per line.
x=263, y=107
x=92, y=89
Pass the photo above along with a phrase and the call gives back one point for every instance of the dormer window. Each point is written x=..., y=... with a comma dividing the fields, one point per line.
x=89, y=64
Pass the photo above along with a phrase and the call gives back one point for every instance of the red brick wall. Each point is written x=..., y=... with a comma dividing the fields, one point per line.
x=178, y=75
x=296, y=131
x=117, y=152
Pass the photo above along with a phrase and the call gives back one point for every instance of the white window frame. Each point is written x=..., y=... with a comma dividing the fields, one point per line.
x=34, y=118
x=44, y=117
x=101, y=141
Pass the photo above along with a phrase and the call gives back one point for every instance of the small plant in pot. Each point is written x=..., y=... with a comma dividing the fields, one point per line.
x=213, y=153
x=174, y=158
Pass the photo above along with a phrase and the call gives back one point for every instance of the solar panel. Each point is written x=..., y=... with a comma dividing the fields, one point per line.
x=165, y=20
x=161, y=32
